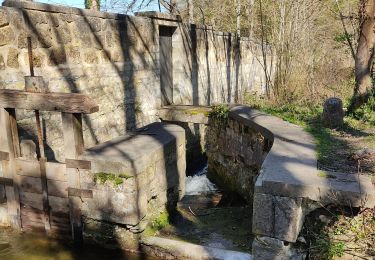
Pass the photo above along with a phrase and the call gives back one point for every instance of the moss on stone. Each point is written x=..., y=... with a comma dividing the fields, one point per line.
x=103, y=177
x=157, y=224
x=326, y=175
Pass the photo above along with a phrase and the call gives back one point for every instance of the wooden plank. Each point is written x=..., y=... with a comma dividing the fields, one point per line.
x=29, y=171
x=29, y=168
x=8, y=132
x=14, y=131
x=78, y=164
x=34, y=185
x=58, y=188
x=85, y=194
x=43, y=178
x=35, y=201
x=30, y=199
x=63, y=102
x=73, y=143
x=60, y=205
x=32, y=214
x=6, y=181
x=30, y=184
x=4, y=156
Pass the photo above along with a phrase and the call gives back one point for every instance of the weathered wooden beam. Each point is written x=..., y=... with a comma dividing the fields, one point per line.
x=85, y=194
x=4, y=156
x=63, y=102
x=6, y=181
x=73, y=143
x=78, y=164
x=9, y=135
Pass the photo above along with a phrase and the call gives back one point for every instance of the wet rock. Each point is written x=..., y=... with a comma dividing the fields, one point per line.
x=333, y=113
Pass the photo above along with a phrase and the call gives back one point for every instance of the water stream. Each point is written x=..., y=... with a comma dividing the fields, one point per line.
x=24, y=246
x=19, y=246
x=199, y=183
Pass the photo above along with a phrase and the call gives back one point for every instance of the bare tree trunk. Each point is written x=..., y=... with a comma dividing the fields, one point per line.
x=251, y=15
x=345, y=30
x=173, y=7
x=364, y=56
x=190, y=11
x=238, y=18
x=264, y=51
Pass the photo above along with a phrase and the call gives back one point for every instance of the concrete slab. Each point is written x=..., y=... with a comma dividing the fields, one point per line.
x=132, y=152
x=290, y=168
x=185, y=250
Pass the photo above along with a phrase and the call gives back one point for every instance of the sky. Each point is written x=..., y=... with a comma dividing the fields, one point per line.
x=107, y=4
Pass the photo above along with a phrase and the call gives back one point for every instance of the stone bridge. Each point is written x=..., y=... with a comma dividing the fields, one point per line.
x=288, y=184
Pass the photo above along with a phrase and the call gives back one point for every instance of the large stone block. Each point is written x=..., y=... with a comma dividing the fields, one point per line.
x=57, y=56
x=38, y=59
x=12, y=59
x=63, y=34
x=2, y=62
x=263, y=214
x=35, y=17
x=91, y=57
x=4, y=19
x=267, y=248
x=22, y=40
x=95, y=24
x=45, y=36
x=279, y=217
x=6, y=36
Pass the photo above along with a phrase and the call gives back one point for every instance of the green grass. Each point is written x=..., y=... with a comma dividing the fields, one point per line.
x=309, y=119
x=220, y=112
x=157, y=224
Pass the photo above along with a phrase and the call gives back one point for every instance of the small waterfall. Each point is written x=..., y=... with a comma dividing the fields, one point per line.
x=199, y=183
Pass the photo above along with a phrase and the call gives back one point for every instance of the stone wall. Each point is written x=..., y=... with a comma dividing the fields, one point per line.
x=235, y=154
x=131, y=187
x=115, y=60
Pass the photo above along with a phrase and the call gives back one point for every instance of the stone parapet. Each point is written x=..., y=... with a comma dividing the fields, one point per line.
x=289, y=185
x=134, y=178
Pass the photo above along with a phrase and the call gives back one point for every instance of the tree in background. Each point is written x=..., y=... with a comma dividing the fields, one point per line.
x=92, y=4
x=302, y=42
x=365, y=55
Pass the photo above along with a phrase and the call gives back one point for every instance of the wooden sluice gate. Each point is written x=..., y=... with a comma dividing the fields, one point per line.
x=41, y=194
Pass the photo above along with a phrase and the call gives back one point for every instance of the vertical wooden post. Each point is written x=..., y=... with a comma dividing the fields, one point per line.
x=73, y=142
x=9, y=142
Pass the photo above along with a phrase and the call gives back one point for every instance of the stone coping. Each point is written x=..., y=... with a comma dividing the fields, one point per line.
x=29, y=5
x=135, y=150
x=159, y=15
x=290, y=168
